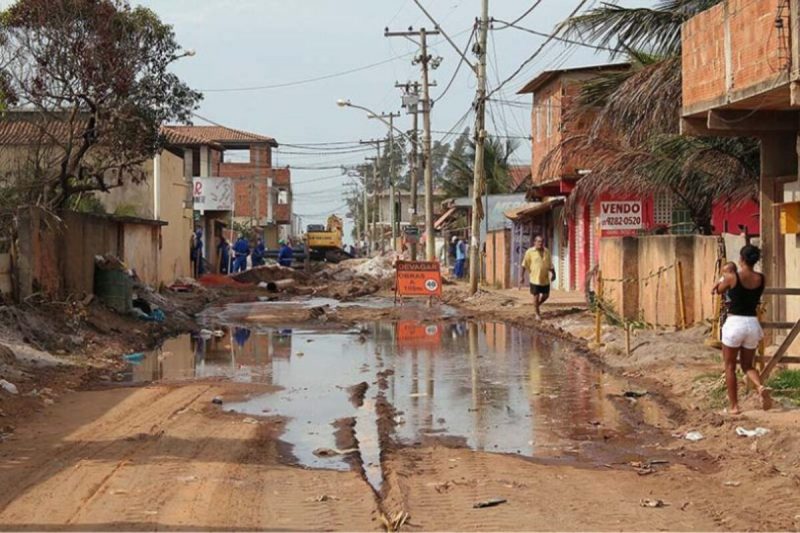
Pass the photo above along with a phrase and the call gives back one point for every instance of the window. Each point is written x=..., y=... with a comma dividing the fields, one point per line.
x=682, y=223
x=283, y=197
x=663, y=209
x=538, y=113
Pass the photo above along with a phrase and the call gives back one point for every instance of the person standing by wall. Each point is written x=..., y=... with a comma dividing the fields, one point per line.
x=539, y=264
x=196, y=253
x=742, y=331
x=224, y=255
x=461, y=259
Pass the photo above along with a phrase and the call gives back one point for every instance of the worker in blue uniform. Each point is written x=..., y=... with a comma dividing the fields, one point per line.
x=259, y=253
x=285, y=255
x=224, y=255
x=241, y=249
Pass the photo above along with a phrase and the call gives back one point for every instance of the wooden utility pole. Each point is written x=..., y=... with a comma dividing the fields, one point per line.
x=389, y=117
x=479, y=176
x=425, y=61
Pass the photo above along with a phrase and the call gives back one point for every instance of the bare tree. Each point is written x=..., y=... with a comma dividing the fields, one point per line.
x=91, y=86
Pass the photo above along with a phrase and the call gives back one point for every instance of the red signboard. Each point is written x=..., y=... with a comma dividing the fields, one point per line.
x=418, y=278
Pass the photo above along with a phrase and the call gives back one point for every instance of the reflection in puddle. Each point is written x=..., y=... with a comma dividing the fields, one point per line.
x=489, y=386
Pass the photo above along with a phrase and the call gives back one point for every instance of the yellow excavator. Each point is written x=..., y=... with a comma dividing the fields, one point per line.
x=325, y=242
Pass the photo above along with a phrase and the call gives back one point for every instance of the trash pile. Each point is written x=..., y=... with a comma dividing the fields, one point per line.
x=357, y=277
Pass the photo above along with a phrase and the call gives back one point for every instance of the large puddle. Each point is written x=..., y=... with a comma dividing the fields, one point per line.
x=488, y=386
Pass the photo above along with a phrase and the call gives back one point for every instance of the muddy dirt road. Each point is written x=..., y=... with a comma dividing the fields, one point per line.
x=326, y=426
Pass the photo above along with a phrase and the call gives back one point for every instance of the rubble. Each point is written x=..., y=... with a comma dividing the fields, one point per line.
x=8, y=387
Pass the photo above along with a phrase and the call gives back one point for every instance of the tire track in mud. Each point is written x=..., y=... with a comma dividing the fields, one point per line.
x=128, y=415
x=147, y=441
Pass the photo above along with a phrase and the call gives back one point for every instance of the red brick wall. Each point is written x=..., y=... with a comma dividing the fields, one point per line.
x=546, y=101
x=562, y=95
x=258, y=169
x=283, y=213
x=758, y=51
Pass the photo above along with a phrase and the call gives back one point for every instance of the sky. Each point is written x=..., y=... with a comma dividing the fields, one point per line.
x=246, y=44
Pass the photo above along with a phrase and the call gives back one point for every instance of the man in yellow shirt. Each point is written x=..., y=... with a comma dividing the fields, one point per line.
x=539, y=264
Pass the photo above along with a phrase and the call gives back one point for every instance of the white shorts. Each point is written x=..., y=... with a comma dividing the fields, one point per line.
x=742, y=332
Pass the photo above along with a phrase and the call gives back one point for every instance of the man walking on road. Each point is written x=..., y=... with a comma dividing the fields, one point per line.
x=539, y=264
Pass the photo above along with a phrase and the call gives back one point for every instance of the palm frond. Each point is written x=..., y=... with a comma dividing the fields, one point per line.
x=656, y=30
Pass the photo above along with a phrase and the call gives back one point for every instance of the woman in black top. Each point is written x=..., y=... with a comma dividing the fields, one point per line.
x=742, y=331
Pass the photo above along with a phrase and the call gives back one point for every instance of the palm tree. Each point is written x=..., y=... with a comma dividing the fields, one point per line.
x=642, y=106
x=497, y=167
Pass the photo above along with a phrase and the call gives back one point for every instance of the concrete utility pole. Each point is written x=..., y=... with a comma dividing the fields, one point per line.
x=411, y=103
x=392, y=178
x=377, y=185
x=479, y=177
x=425, y=61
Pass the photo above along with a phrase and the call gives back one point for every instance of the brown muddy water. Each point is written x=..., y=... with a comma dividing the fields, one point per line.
x=487, y=386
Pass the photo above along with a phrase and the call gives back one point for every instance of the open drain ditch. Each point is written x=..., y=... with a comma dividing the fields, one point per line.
x=346, y=395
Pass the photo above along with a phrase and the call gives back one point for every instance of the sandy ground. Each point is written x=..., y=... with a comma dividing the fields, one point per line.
x=163, y=457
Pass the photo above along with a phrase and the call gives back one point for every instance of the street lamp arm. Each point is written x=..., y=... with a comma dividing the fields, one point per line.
x=373, y=114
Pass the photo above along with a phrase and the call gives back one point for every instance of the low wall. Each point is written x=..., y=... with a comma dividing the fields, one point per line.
x=56, y=254
x=641, y=277
x=498, y=259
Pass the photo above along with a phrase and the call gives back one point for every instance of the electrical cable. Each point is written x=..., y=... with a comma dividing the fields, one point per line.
x=550, y=37
x=444, y=33
x=525, y=14
x=555, y=38
x=458, y=68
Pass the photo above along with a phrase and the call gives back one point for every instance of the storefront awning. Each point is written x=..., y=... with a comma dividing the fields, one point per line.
x=532, y=209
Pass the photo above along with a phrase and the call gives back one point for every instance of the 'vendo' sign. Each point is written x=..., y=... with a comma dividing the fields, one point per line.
x=621, y=216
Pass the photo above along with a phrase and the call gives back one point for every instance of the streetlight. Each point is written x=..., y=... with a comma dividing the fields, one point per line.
x=342, y=102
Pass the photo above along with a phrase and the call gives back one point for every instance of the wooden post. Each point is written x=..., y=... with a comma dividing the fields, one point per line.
x=307, y=258
x=598, y=318
x=681, y=296
x=628, y=339
x=762, y=346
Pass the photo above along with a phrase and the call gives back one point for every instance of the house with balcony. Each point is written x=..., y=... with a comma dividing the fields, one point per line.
x=741, y=77
x=556, y=167
x=560, y=159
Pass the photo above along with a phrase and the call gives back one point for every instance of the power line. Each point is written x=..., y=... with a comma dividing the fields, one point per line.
x=308, y=80
x=550, y=37
x=444, y=34
x=555, y=38
x=315, y=79
x=458, y=68
x=525, y=14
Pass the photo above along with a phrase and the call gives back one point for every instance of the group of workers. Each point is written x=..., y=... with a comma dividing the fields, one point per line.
x=232, y=259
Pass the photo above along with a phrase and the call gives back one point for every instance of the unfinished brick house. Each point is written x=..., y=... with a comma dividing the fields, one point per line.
x=262, y=193
x=572, y=239
x=557, y=166
x=741, y=77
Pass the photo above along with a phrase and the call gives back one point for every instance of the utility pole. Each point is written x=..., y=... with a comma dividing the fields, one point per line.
x=426, y=61
x=377, y=185
x=392, y=178
x=411, y=104
x=479, y=178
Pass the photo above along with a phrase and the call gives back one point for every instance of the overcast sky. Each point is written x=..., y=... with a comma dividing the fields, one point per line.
x=254, y=43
